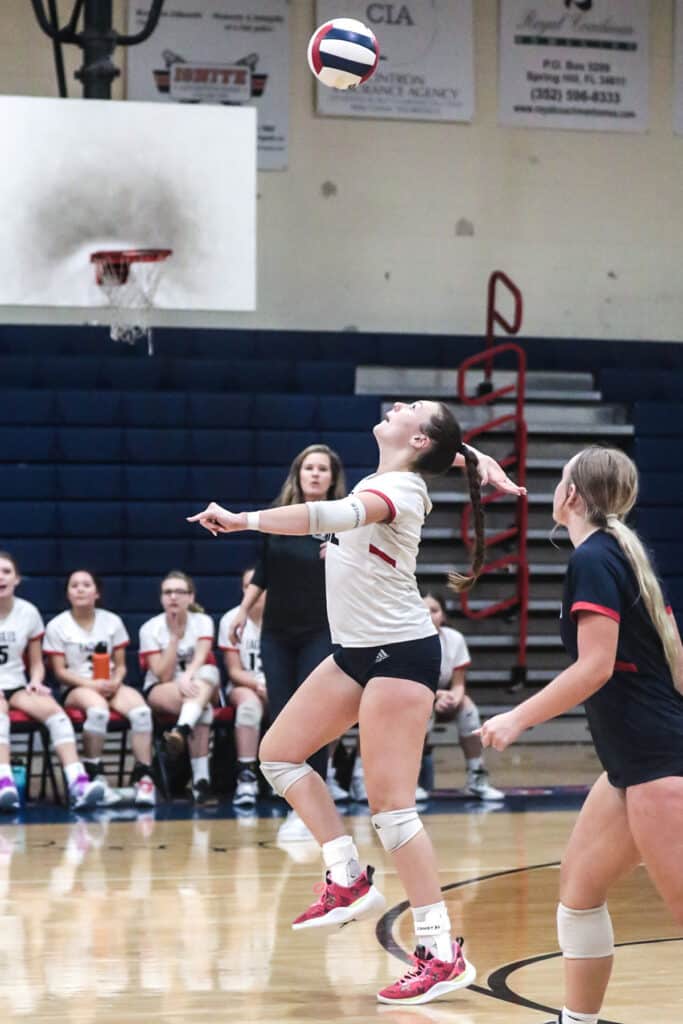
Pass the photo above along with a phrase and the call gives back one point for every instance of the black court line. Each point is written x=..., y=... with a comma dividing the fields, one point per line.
x=497, y=981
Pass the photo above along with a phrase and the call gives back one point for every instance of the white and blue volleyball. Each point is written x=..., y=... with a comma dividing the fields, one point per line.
x=343, y=53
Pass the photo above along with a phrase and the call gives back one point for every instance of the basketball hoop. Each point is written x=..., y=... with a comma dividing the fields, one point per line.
x=129, y=278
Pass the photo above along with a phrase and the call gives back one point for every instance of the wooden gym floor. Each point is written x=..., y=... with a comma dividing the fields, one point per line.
x=184, y=916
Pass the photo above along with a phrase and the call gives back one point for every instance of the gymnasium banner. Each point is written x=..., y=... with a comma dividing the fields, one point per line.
x=426, y=69
x=576, y=64
x=678, y=69
x=234, y=52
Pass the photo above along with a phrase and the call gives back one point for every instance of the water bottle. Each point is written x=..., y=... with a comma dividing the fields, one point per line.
x=101, y=663
x=19, y=773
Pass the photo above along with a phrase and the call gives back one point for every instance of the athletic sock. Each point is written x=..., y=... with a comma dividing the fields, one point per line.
x=73, y=771
x=440, y=943
x=341, y=860
x=474, y=764
x=200, y=768
x=190, y=714
x=572, y=1017
x=6, y=771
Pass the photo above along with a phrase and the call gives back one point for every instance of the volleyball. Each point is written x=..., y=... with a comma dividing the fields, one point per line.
x=343, y=53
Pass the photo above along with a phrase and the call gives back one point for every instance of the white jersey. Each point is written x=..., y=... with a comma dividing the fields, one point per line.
x=454, y=654
x=372, y=595
x=249, y=646
x=17, y=629
x=64, y=635
x=155, y=638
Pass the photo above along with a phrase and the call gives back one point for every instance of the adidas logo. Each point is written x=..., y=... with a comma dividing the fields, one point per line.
x=381, y=656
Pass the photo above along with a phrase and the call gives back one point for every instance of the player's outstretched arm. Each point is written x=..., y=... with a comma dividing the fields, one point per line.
x=491, y=473
x=297, y=520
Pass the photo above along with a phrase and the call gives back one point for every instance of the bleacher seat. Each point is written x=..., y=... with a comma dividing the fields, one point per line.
x=286, y=345
x=411, y=350
x=18, y=372
x=103, y=556
x=123, y=373
x=27, y=406
x=92, y=483
x=223, y=447
x=90, y=444
x=314, y=378
x=113, y=593
x=155, y=557
x=226, y=555
x=158, y=519
x=156, y=483
x=27, y=444
x=155, y=446
x=658, y=419
x=73, y=372
x=352, y=412
x=281, y=446
x=162, y=409
x=659, y=523
x=354, y=447
x=39, y=556
x=285, y=412
x=661, y=488
x=273, y=376
x=143, y=593
x=633, y=385
x=28, y=519
x=224, y=484
x=267, y=483
x=88, y=408
x=200, y=375
x=45, y=592
x=90, y=518
x=360, y=349
x=226, y=410
x=29, y=481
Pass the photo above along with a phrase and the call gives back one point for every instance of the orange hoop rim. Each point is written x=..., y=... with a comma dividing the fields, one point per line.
x=127, y=256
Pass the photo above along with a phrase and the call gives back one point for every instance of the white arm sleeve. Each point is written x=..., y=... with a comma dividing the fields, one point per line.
x=335, y=516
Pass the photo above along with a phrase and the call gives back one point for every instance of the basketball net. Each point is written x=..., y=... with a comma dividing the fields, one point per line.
x=130, y=278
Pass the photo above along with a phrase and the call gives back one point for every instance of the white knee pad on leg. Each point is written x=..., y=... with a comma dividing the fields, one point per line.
x=140, y=719
x=283, y=774
x=467, y=720
x=4, y=728
x=96, y=721
x=206, y=717
x=396, y=828
x=585, y=934
x=249, y=713
x=60, y=728
x=209, y=674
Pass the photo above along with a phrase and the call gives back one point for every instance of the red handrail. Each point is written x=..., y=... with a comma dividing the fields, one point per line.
x=516, y=561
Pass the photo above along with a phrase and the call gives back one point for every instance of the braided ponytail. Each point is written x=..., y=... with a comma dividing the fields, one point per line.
x=456, y=580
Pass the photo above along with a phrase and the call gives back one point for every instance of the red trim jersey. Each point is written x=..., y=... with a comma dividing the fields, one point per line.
x=454, y=654
x=64, y=635
x=249, y=646
x=636, y=718
x=155, y=637
x=17, y=629
x=372, y=594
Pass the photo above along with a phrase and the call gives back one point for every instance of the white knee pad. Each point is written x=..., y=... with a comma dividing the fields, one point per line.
x=283, y=774
x=585, y=934
x=467, y=720
x=60, y=728
x=4, y=728
x=396, y=828
x=140, y=719
x=206, y=717
x=249, y=713
x=96, y=721
x=209, y=674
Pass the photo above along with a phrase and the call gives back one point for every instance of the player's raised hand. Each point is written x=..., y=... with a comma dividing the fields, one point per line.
x=217, y=519
x=493, y=474
x=500, y=731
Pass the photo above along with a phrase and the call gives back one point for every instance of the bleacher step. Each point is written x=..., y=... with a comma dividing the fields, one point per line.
x=437, y=382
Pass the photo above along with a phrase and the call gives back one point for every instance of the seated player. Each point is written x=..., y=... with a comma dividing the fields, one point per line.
x=453, y=704
x=71, y=639
x=246, y=691
x=181, y=675
x=21, y=632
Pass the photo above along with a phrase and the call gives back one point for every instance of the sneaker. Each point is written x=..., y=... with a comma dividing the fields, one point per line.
x=357, y=790
x=85, y=793
x=429, y=978
x=9, y=794
x=246, y=791
x=477, y=785
x=339, y=904
x=337, y=792
x=201, y=792
x=293, y=830
x=145, y=793
x=175, y=742
x=421, y=795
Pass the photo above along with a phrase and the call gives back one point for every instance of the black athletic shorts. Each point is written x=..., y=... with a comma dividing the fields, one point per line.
x=419, y=660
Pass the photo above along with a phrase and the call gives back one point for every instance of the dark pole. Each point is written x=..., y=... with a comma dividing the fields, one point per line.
x=57, y=49
x=98, y=40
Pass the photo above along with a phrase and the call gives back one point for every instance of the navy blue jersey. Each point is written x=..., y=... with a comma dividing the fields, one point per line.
x=636, y=718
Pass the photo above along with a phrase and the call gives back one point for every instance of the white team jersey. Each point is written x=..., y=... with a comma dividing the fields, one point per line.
x=249, y=647
x=454, y=654
x=64, y=635
x=372, y=595
x=17, y=629
x=154, y=639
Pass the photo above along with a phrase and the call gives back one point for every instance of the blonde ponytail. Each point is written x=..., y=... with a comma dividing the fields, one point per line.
x=650, y=591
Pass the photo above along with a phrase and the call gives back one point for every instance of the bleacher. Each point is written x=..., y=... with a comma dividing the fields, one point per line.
x=105, y=451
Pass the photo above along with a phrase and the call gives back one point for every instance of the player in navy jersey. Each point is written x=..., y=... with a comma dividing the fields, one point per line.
x=383, y=675
x=628, y=670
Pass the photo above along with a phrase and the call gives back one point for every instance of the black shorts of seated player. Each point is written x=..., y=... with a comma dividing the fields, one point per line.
x=419, y=660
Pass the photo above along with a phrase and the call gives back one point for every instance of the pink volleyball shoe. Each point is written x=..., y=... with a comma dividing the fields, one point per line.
x=339, y=904
x=430, y=978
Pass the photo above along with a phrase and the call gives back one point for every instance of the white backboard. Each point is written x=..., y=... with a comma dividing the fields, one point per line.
x=82, y=175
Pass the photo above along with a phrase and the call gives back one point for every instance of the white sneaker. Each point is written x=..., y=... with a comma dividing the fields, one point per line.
x=86, y=794
x=357, y=790
x=293, y=830
x=477, y=785
x=145, y=793
x=421, y=795
x=9, y=795
x=246, y=791
x=337, y=792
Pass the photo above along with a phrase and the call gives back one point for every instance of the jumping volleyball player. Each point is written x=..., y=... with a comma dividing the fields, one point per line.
x=383, y=675
x=628, y=669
